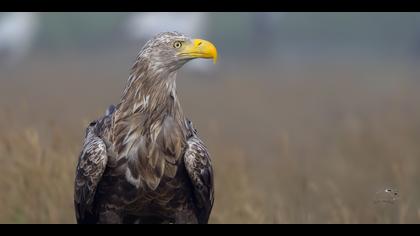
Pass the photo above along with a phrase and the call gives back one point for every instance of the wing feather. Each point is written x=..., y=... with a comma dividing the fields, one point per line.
x=200, y=171
x=90, y=168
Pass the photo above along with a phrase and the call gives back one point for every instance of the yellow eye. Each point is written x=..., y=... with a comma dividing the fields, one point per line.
x=177, y=44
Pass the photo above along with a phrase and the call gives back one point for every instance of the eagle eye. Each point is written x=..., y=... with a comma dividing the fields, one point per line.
x=177, y=44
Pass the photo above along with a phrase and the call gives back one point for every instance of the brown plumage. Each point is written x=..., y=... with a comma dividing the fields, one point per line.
x=143, y=162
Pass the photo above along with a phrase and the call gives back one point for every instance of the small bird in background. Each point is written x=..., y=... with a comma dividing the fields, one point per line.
x=143, y=162
x=18, y=31
x=387, y=195
x=144, y=25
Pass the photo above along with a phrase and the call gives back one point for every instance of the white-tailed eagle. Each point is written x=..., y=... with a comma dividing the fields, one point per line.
x=142, y=162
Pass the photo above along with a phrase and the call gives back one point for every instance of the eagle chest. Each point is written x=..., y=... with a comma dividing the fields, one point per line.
x=171, y=139
x=156, y=156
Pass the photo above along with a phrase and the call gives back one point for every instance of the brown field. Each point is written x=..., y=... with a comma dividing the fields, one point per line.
x=304, y=143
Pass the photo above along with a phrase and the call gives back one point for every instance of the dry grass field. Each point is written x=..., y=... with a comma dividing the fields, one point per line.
x=305, y=143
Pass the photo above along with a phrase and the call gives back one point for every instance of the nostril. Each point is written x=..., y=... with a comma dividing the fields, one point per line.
x=199, y=43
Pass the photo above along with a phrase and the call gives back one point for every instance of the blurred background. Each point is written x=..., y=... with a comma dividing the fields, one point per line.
x=309, y=117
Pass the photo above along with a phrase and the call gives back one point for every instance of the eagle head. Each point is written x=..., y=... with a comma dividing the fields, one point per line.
x=171, y=50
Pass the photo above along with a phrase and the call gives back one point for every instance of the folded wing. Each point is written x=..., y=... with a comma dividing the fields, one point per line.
x=200, y=171
x=90, y=168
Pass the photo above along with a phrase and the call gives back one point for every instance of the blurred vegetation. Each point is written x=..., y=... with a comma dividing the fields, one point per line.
x=307, y=145
x=60, y=30
x=239, y=31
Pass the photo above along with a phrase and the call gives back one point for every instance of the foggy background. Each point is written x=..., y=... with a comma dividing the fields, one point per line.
x=309, y=117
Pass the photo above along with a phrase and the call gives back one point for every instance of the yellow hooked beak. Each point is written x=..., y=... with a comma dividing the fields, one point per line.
x=200, y=48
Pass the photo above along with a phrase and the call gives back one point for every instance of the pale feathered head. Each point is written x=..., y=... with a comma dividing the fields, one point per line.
x=170, y=50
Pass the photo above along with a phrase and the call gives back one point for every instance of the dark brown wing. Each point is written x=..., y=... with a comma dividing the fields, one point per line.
x=91, y=166
x=200, y=171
